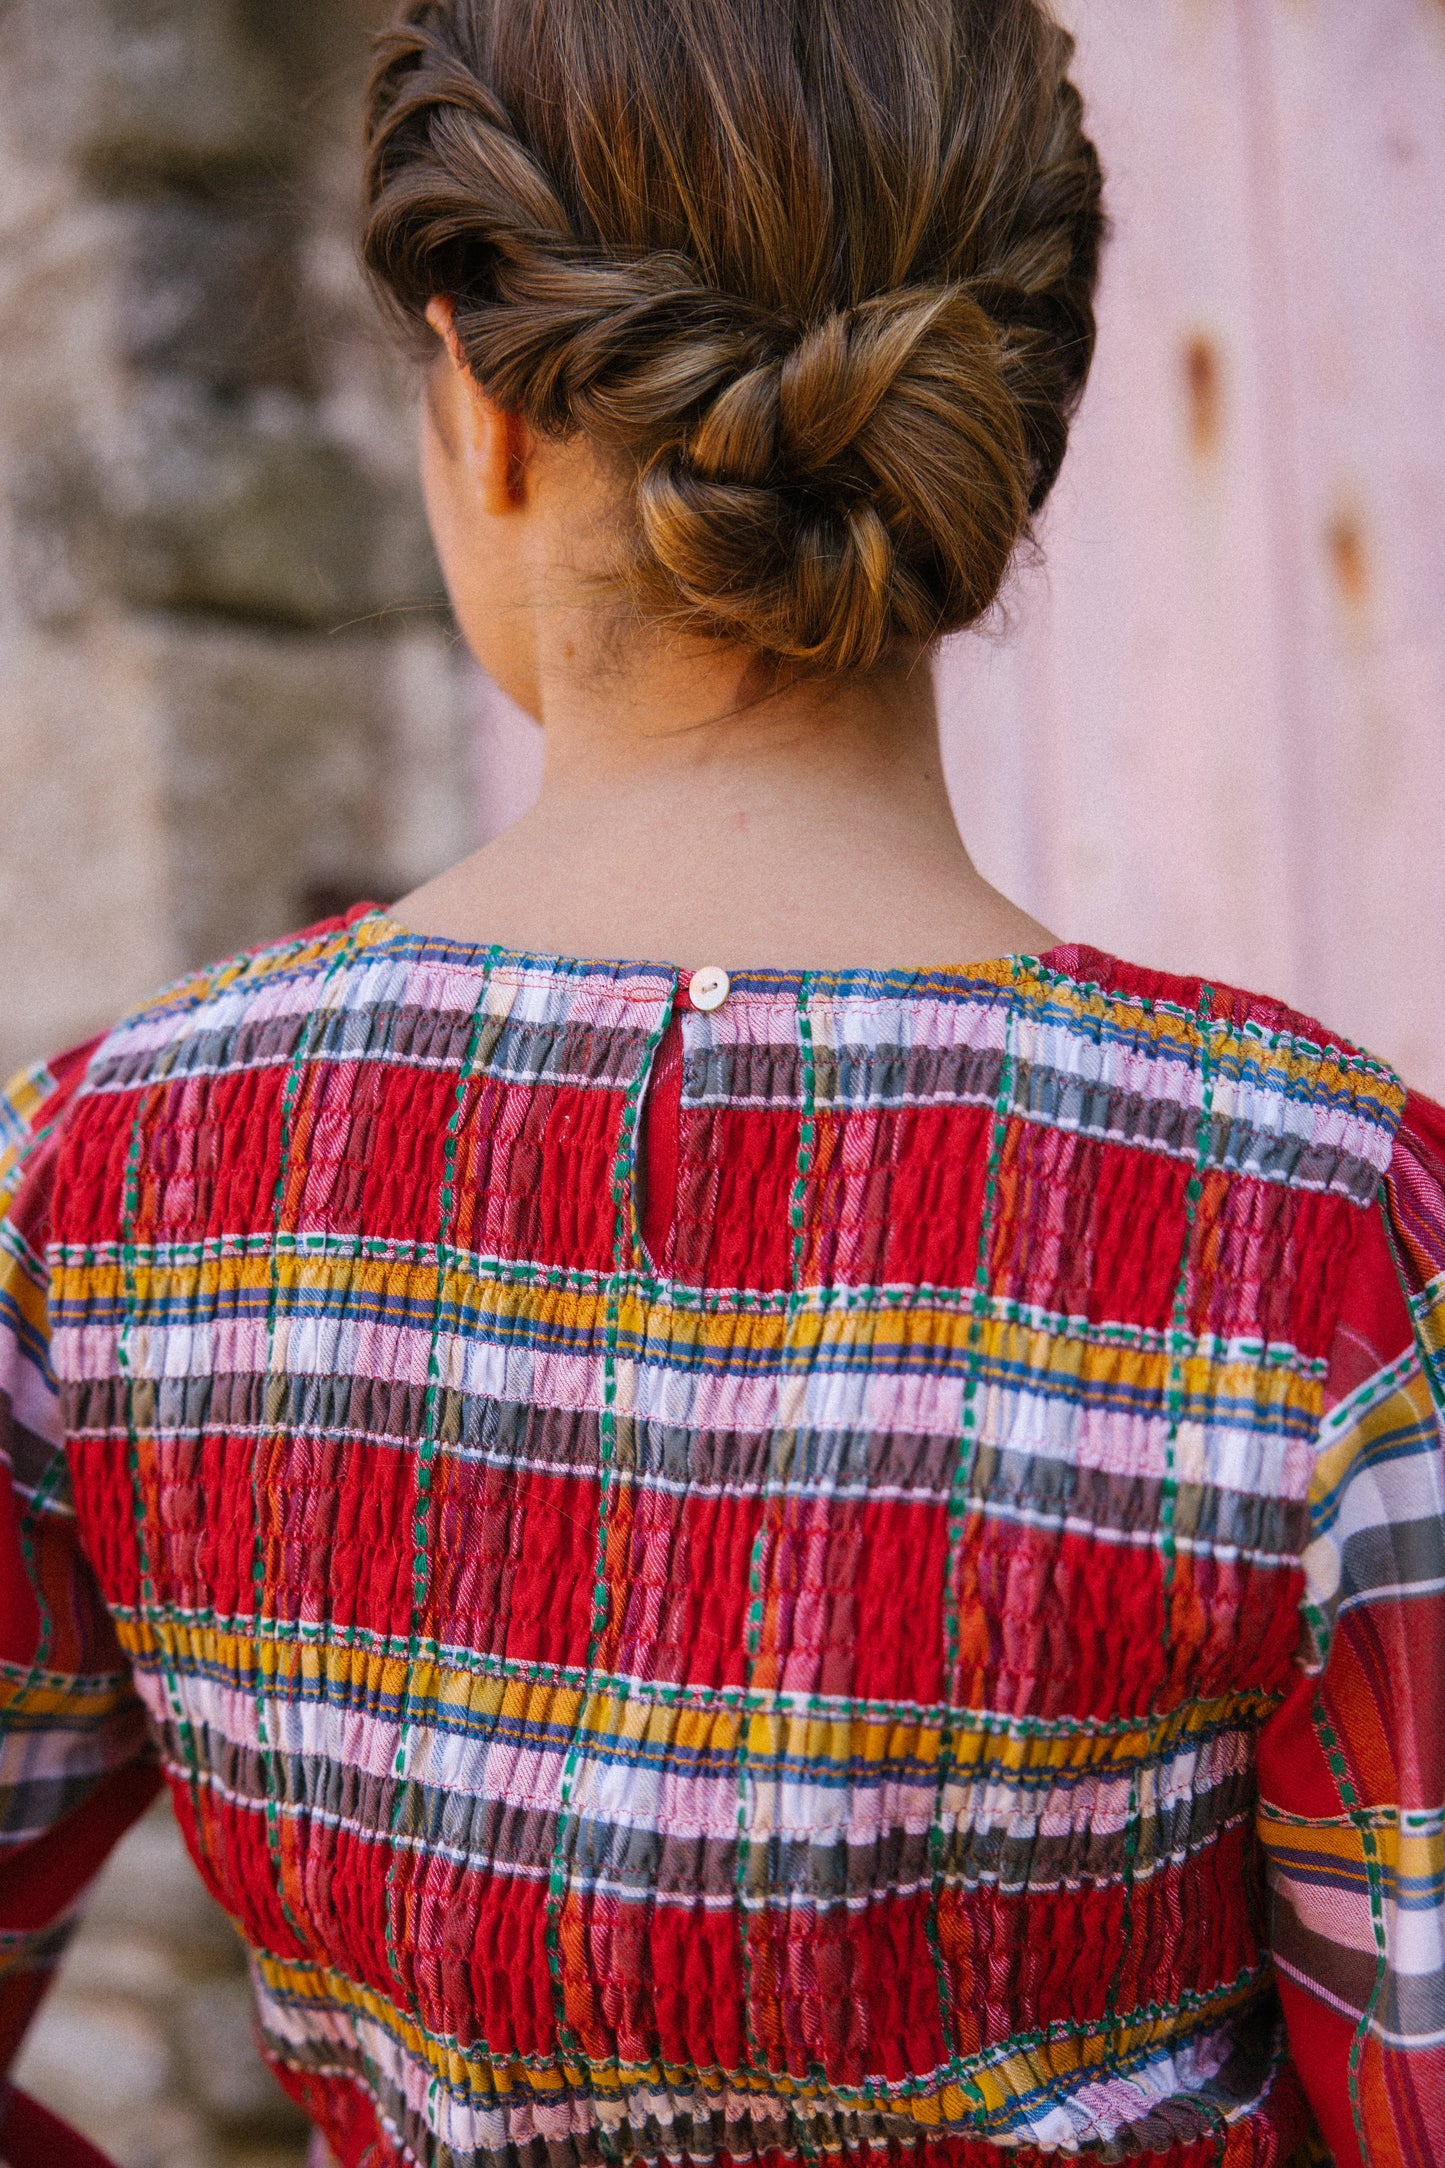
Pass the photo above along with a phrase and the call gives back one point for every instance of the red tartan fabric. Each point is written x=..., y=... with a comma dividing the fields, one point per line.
x=743, y=1585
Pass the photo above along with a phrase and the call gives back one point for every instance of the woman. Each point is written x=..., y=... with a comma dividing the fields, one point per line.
x=828, y=1545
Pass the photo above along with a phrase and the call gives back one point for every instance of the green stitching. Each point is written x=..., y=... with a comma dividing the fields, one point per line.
x=758, y=1561
x=273, y=1394
x=1169, y=1485
x=957, y=1527
x=626, y=1242
x=426, y=1451
x=1360, y=1817
x=150, y=1606
x=1133, y=1830
x=807, y=1145
x=1179, y=1328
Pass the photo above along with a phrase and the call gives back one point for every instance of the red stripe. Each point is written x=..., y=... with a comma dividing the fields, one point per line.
x=658, y=1156
x=897, y=1196
x=1320, y=2040
x=91, y=1178
x=34, y=2138
x=105, y=1514
x=678, y=1572
x=533, y=1173
x=512, y=1561
x=737, y=1171
x=39, y=1880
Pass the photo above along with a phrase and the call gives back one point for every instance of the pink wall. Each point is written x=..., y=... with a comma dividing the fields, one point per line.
x=1215, y=736
x=1208, y=731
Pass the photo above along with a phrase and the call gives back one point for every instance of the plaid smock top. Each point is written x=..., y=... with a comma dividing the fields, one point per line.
x=855, y=1573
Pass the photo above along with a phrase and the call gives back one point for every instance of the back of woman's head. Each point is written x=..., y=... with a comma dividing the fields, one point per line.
x=821, y=271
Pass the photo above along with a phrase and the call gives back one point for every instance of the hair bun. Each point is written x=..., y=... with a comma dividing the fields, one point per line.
x=861, y=491
x=836, y=317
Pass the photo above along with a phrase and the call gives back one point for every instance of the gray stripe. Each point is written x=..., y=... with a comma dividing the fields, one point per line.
x=1344, y=1973
x=526, y=1051
x=1402, y=1555
x=833, y=2130
x=791, y=1868
x=33, y=1459
x=251, y=1043
x=486, y=1834
x=855, y=1078
x=1212, y=1517
x=1411, y=2007
x=329, y=1418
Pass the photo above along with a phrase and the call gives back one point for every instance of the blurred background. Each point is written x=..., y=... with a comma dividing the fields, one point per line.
x=1207, y=729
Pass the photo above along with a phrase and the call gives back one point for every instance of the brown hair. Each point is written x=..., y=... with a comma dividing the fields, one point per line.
x=822, y=270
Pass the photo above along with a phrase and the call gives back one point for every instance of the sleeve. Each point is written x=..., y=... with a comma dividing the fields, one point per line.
x=1352, y=1766
x=76, y=1767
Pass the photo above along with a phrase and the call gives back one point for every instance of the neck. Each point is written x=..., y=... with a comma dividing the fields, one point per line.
x=691, y=812
x=695, y=728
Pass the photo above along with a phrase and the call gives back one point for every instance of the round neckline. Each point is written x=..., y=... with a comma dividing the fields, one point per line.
x=744, y=976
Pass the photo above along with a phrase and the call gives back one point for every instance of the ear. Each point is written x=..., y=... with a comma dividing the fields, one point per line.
x=499, y=443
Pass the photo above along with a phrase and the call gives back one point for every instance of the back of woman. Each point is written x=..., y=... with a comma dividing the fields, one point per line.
x=833, y=1552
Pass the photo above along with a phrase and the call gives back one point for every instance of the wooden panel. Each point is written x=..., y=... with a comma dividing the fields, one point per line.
x=1213, y=735
x=1126, y=736
x=1355, y=261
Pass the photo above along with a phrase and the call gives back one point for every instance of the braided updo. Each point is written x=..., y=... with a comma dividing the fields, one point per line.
x=821, y=271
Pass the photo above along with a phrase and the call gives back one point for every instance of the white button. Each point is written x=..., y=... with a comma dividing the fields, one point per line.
x=1322, y=1563
x=708, y=988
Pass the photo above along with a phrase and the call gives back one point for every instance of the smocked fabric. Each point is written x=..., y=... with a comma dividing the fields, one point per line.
x=856, y=1574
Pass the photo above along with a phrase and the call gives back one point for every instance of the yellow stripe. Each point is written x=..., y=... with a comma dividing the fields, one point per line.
x=1378, y=1094
x=29, y=1298
x=1411, y=1856
x=1430, y=1317
x=1408, y=1406
x=77, y=1703
x=22, y=1099
x=816, y=1332
x=506, y=2081
x=663, y=1717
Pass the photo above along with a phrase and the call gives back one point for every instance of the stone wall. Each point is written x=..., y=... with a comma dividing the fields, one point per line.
x=229, y=702
x=228, y=698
